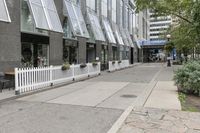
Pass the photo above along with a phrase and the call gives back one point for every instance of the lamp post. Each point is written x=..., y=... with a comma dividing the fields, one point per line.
x=168, y=58
x=142, y=51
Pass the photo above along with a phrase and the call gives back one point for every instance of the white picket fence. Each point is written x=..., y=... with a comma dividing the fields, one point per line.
x=116, y=65
x=30, y=79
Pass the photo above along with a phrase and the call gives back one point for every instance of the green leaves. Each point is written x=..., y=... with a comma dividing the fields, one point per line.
x=188, y=77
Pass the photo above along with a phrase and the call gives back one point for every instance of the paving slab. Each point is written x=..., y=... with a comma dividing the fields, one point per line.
x=154, y=120
x=91, y=95
x=55, y=118
x=55, y=93
x=123, y=98
x=164, y=96
x=7, y=94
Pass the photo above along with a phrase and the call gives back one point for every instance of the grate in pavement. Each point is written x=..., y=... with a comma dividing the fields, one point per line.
x=128, y=96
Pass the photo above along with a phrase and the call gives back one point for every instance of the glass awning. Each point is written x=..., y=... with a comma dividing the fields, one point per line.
x=4, y=15
x=76, y=18
x=45, y=15
x=129, y=38
x=117, y=34
x=108, y=30
x=137, y=42
x=124, y=36
x=96, y=27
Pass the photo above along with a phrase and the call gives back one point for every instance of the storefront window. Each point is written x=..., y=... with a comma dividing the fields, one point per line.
x=36, y=55
x=114, y=50
x=70, y=52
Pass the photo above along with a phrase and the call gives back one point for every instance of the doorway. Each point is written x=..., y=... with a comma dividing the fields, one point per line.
x=132, y=55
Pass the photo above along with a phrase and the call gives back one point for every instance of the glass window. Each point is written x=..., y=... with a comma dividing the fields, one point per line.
x=52, y=15
x=39, y=14
x=91, y=4
x=108, y=31
x=96, y=28
x=4, y=15
x=36, y=55
x=45, y=15
x=104, y=7
x=27, y=24
x=124, y=36
x=117, y=34
x=121, y=13
x=76, y=19
x=129, y=38
x=81, y=21
x=114, y=11
x=67, y=29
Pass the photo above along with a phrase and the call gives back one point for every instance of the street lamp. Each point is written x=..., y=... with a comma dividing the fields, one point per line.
x=142, y=51
x=168, y=58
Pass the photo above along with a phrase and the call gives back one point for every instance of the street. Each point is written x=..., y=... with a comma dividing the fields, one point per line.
x=90, y=106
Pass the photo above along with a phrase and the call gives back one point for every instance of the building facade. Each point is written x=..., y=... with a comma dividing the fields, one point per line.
x=159, y=26
x=41, y=33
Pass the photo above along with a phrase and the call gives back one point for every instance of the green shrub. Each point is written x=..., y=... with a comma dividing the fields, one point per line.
x=65, y=66
x=188, y=77
x=83, y=65
x=94, y=63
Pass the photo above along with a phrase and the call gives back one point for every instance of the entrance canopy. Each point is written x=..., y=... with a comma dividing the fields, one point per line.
x=45, y=15
x=117, y=34
x=108, y=31
x=96, y=27
x=76, y=18
x=4, y=15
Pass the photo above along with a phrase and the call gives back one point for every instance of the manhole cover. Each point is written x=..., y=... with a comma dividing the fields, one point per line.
x=128, y=96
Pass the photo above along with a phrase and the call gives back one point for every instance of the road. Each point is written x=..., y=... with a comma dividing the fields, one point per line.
x=90, y=106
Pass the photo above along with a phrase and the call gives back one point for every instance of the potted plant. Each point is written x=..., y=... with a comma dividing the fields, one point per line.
x=65, y=66
x=83, y=65
x=94, y=63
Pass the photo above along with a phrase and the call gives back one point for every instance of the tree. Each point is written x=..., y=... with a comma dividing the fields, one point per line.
x=186, y=34
x=186, y=10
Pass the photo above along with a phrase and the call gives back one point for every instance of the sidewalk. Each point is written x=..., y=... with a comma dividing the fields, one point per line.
x=161, y=112
x=164, y=96
x=7, y=95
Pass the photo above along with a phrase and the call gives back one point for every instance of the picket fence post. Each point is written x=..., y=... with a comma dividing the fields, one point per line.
x=17, y=91
x=51, y=75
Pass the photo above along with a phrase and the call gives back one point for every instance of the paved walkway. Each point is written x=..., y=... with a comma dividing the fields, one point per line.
x=161, y=112
x=90, y=106
x=151, y=120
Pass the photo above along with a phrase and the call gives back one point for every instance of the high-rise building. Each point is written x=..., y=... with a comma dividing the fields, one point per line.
x=159, y=26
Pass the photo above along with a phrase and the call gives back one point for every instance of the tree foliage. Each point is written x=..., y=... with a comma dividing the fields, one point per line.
x=186, y=33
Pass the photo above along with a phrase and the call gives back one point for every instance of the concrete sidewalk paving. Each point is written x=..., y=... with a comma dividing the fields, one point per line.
x=164, y=96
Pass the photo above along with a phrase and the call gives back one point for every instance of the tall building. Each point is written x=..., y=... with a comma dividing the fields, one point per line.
x=159, y=26
x=42, y=33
